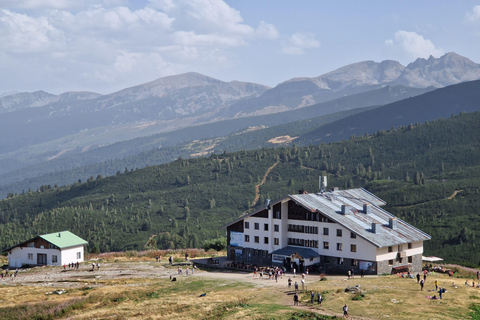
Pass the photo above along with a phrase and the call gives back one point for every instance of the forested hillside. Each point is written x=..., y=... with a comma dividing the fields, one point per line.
x=428, y=174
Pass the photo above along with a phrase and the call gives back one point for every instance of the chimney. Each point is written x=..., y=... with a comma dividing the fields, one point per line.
x=59, y=235
x=367, y=208
x=376, y=227
x=392, y=223
x=346, y=209
x=334, y=189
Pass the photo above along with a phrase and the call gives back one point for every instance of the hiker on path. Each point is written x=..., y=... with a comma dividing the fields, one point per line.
x=345, y=311
x=320, y=299
x=170, y=260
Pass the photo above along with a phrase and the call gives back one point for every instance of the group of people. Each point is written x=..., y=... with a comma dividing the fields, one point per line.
x=187, y=270
x=5, y=273
x=422, y=282
x=72, y=265
x=273, y=273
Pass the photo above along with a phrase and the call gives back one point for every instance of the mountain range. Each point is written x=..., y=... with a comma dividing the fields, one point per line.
x=44, y=129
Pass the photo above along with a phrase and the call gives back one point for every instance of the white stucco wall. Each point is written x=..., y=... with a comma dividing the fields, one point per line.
x=18, y=256
x=383, y=254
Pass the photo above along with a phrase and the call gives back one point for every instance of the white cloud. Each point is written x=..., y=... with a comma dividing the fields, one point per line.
x=99, y=43
x=59, y=4
x=474, y=15
x=267, y=31
x=298, y=42
x=414, y=45
x=20, y=33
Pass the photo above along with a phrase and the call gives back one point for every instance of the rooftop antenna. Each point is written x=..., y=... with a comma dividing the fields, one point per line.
x=322, y=181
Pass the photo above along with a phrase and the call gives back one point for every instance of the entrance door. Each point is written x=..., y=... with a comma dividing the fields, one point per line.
x=288, y=262
x=42, y=258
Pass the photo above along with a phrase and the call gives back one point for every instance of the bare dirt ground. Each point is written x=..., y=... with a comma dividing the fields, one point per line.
x=56, y=278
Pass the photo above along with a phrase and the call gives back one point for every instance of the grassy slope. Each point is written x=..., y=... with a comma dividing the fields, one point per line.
x=186, y=201
x=236, y=296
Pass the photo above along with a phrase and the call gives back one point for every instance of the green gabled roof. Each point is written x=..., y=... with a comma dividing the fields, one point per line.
x=63, y=239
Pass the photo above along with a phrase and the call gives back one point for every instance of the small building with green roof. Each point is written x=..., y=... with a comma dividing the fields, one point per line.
x=55, y=249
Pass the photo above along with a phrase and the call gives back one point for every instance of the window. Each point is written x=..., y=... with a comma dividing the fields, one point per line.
x=390, y=262
x=247, y=238
x=339, y=246
x=410, y=259
x=400, y=248
x=276, y=241
x=340, y=260
x=52, y=246
x=277, y=215
x=79, y=255
x=31, y=245
x=256, y=226
x=354, y=262
x=257, y=239
x=325, y=231
x=265, y=240
x=353, y=247
x=30, y=256
x=265, y=227
x=54, y=259
x=410, y=245
x=339, y=232
x=353, y=235
x=390, y=249
x=325, y=245
x=247, y=225
x=276, y=228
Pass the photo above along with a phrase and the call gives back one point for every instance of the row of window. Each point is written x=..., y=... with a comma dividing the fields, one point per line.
x=400, y=247
x=400, y=260
x=256, y=239
x=303, y=243
x=256, y=226
x=302, y=229
x=54, y=257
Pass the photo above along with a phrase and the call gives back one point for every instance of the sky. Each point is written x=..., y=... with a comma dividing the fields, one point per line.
x=105, y=46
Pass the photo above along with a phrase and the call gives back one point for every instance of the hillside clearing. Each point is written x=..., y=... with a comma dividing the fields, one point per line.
x=143, y=290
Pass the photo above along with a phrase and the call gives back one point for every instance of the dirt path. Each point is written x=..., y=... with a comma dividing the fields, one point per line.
x=257, y=187
x=284, y=294
x=454, y=194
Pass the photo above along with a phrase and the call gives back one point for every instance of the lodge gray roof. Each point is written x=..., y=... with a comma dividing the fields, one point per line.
x=330, y=205
x=305, y=253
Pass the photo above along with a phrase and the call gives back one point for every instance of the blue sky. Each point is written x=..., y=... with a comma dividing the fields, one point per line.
x=105, y=46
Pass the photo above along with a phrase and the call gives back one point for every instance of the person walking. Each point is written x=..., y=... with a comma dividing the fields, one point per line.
x=289, y=282
x=418, y=277
x=436, y=284
x=312, y=297
x=295, y=299
x=320, y=299
x=421, y=285
x=296, y=286
x=345, y=311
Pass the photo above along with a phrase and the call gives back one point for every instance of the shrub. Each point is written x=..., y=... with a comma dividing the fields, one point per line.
x=217, y=244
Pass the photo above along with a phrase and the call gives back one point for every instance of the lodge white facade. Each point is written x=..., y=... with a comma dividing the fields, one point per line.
x=337, y=230
x=55, y=249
